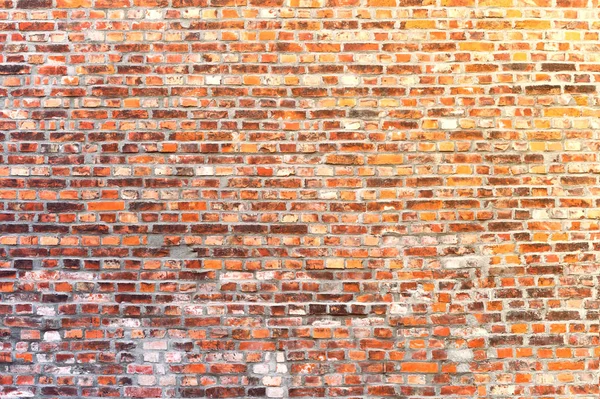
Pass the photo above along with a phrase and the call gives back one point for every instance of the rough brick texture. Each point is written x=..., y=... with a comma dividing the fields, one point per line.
x=300, y=198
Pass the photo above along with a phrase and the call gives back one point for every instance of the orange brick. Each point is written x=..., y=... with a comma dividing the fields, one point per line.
x=421, y=367
x=106, y=206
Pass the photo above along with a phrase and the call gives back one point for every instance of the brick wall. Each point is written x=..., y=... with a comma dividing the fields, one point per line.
x=300, y=198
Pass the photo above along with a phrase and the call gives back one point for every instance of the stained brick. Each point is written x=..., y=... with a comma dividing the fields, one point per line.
x=299, y=199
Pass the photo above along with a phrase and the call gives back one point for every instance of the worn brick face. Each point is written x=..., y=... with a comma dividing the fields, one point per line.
x=299, y=199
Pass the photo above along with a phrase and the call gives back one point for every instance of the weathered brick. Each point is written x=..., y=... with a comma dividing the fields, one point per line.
x=299, y=198
x=33, y=4
x=14, y=69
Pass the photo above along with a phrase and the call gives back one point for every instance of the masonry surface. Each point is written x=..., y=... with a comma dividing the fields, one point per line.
x=300, y=198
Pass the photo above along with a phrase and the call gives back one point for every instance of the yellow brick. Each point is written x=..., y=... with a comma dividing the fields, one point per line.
x=496, y=3
x=593, y=214
x=334, y=263
x=420, y=24
x=538, y=169
x=476, y=46
x=533, y=24
x=560, y=236
x=555, y=146
x=428, y=216
x=458, y=3
x=519, y=57
x=537, y=146
x=446, y=146
x=562, y=112
x=464, y=170
x=267, y=35
x=430, y=124
x=381, y=3
x=389, y=103
x=426, y=147
x=542, y=124
x=595, y=113
x=288, y=58
x=513, y=260
x=384, y=14
x=514, y=13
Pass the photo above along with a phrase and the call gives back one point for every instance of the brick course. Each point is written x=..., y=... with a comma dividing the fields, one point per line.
x=300, y=198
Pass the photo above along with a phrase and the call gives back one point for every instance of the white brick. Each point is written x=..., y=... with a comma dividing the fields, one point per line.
x=272, y=381
x=448, y=123
x=260, y=368
x=275, y=392
x=213, y=80
x=52, y=336
x=349, y=80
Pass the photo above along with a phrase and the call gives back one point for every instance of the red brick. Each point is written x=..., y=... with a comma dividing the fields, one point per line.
x=299, y=198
